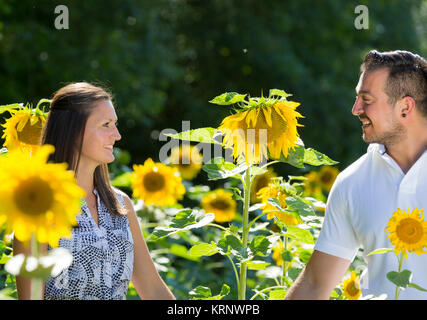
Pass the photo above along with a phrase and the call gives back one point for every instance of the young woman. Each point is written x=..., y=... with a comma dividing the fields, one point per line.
x=107, y=245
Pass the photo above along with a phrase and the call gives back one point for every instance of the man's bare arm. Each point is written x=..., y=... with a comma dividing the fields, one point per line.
x=320, y=276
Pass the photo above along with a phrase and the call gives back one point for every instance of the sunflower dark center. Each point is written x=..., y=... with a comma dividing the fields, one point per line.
x=153, y=181
x=409, y=231
x=352, y=288
x=33, y=196
x=220, y=204
x=326, y=177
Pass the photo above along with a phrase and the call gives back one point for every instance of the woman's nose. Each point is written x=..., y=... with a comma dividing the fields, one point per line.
x=116, y=134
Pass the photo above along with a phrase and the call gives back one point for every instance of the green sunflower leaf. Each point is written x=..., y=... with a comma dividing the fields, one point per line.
x=280, y=93
x=257, y=265
x=401, y=279
x=184, y=220
x=299, y=155
x=231, y=244
x=415, y=286
x=304, y=254
x=7, y=107
x=203, y=135
x=181, y=251
x=205, y=293
x=200, y=293
x=259, y=245
x=303, y=207
x=228, y=98
x=316, y=158
x=287, y=256
x=295, y=157
x=217, y=168
x=380, y=251
x=299, y=234
x=276, y=203
x=254, y=171
x=203, y=249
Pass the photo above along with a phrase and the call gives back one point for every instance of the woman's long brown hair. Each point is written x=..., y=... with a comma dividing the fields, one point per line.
x=64, y=129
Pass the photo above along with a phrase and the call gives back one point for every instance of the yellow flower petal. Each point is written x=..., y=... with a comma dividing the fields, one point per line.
x=29, y=195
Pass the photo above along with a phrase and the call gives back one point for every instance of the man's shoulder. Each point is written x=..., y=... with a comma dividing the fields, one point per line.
x=358, y=170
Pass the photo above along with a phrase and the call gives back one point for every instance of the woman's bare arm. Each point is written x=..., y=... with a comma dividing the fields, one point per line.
x=146, y=279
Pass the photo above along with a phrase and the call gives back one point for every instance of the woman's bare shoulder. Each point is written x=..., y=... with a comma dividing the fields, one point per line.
x=125, y=197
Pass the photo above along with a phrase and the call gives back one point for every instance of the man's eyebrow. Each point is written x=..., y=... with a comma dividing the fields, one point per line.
x=363, y=92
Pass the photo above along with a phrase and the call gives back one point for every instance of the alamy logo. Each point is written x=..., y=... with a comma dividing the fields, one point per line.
x=362, y=20
x=62, y=20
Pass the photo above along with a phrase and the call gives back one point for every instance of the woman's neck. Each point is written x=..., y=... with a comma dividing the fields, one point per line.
x=84, y=177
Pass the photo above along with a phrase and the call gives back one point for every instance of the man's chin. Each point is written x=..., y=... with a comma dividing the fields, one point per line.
x=369, y=140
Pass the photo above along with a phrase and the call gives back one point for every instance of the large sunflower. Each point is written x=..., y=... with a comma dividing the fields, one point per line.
x=37, y=197
x=352, y=287
x=23, y=129
x=187, y=159
x=220, y=203
x=267, y=128
x=273, y=190
x=157, y=183
x=408, y=231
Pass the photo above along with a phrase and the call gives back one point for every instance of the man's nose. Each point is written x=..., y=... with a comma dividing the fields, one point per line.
x=357, y=107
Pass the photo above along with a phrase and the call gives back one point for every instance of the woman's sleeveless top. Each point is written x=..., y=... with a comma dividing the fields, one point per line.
x=103, y=256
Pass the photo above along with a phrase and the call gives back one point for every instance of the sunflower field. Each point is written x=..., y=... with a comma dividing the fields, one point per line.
x=248, y=236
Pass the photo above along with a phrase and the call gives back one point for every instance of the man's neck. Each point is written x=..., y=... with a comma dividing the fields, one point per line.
x=407, y=152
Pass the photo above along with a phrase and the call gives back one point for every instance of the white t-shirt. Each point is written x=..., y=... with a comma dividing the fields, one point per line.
x=360, y=204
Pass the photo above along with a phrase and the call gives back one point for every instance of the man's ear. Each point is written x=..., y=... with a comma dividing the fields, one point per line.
x=406, y=105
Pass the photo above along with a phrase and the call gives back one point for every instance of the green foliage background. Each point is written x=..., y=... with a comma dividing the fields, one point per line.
x=164, y=60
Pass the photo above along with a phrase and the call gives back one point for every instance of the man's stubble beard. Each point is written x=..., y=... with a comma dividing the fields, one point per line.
x=396, y=134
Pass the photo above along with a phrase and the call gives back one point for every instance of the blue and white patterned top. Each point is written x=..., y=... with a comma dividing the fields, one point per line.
x=103, y=256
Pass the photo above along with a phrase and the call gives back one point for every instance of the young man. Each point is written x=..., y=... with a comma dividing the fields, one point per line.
x=391, y=104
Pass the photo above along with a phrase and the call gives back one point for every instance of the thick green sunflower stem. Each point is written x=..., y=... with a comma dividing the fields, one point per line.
x=396, y=296
x=285, y=265
x=243, y=266
x=36, y=283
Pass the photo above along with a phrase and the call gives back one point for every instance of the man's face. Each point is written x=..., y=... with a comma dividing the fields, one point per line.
x=379, y=119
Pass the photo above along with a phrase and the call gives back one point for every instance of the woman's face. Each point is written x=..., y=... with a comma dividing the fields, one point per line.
x=100, y=135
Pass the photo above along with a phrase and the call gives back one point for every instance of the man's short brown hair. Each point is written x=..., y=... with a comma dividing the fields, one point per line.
x=407, y=75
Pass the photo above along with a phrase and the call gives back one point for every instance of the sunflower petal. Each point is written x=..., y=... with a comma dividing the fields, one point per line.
x=267, y=115
x=22, y=123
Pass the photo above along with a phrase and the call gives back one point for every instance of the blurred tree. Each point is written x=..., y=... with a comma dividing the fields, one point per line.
x=164, y=60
